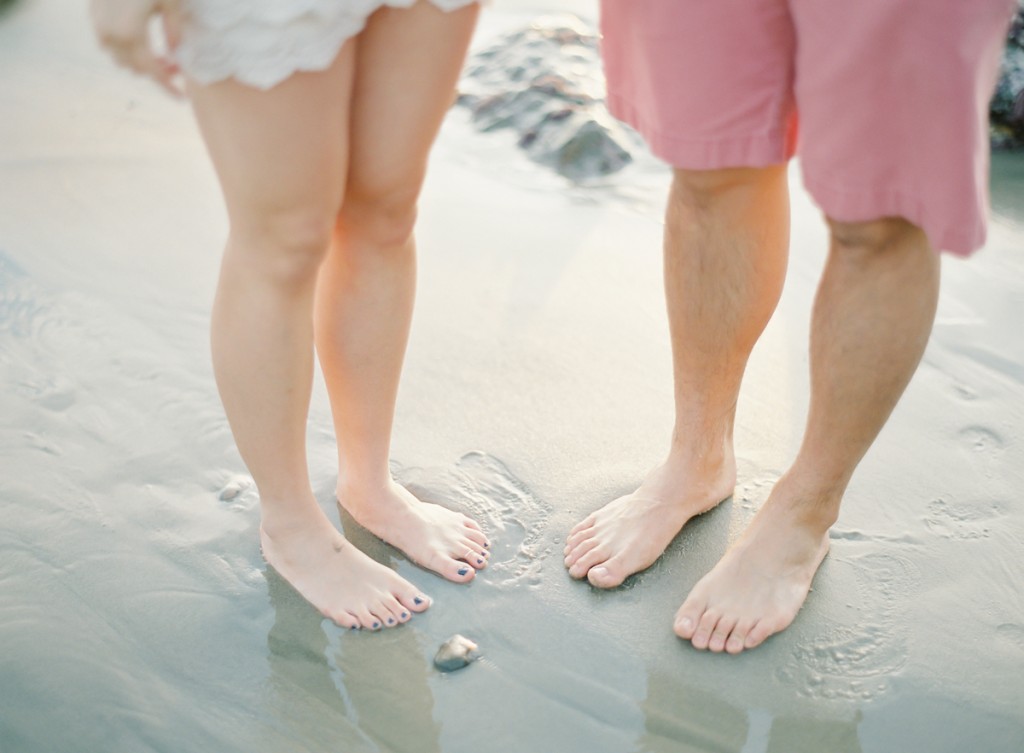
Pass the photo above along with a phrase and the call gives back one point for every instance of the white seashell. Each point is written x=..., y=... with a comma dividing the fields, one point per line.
x=235, y=486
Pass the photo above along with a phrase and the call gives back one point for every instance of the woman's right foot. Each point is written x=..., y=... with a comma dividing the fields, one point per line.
x=331, y=574
x=432, y=536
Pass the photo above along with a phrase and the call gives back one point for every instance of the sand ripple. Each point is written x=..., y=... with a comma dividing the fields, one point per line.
x=855, y=662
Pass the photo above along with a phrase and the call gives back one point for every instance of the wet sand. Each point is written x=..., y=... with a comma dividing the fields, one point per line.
x=136, y=613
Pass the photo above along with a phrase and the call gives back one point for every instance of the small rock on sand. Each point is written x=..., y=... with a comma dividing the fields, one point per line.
x=455, y=653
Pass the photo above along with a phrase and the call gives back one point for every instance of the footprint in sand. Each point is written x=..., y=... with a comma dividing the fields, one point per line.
x=1013, y=633
x=854, y=662
x=962, y=520
x=55, y=393
x=964, y=392
x=480, y=486
x=981, y=439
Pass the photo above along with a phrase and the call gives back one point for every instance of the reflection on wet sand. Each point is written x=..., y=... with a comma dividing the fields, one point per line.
x=811, y=735
x=341, y=690
x=682, y=718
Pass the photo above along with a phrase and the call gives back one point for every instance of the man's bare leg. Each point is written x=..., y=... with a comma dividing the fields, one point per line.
x=366, y=286
x=726, y=239
x=872, y=317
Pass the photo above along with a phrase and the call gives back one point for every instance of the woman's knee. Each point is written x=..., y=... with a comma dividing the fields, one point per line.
x=287, y=246
x=380, y=214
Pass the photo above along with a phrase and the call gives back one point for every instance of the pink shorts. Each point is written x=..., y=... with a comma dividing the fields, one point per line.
x=891, y=97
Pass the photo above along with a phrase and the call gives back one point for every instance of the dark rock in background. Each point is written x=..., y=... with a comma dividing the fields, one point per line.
x=546, y=83
x=1007, y=109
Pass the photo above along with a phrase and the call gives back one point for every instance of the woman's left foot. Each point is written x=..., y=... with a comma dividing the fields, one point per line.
x=433, y=537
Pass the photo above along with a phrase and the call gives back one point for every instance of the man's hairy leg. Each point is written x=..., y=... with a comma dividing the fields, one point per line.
x=726, y=240
x=872, y=317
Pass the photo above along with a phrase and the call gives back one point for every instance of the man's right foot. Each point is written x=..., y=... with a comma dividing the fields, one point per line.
x=339, y=580
x=629, y=534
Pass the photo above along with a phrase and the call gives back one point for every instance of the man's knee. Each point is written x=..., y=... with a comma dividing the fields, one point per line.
x=702, y=189
x=871, y=237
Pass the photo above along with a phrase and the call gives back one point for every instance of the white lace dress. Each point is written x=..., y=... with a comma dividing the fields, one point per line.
x=263, y=42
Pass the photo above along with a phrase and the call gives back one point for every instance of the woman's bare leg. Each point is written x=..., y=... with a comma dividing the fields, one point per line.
x=281, y=156
x=407, y=65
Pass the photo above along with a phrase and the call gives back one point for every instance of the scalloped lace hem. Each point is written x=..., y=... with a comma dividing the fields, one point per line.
x=262, y=42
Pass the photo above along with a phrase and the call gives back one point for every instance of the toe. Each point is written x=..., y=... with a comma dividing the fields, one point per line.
x=706, y=626
x=574, y=539
x=391, y=611
x=449, y=568
x=376, y=620
x=382, y=616
x=479, y=539
x=472, y=554
x=738, y=637
x=413, y=600
x=609, y=574
x=402, y=610
x=452, y=569
x=471, y=525
x=366, y=619
x=689, y=615
x=721, y=634
x=574, y=554
x=595, y=556
x=582, y=526
x=757, y=634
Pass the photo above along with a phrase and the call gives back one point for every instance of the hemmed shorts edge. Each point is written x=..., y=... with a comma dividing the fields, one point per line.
x=863, y=205
x=756, y=150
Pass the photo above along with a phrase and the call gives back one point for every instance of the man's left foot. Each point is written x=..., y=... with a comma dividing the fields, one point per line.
x=630, y=533
x=760, y=584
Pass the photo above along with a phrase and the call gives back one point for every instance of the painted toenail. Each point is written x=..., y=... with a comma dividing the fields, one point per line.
x=417, y=600
x=391, y=620
x=405, y=615
x=479, y=562
x=463, y=570
x=376, y=624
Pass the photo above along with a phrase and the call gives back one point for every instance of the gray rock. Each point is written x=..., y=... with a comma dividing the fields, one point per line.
x=1006, y=112
x=455, y=653
x=546, y=83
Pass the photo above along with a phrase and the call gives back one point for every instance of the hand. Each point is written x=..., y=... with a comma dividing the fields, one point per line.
x=123, y=29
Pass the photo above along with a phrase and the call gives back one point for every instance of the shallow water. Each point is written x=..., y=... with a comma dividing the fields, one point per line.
x=137, y=614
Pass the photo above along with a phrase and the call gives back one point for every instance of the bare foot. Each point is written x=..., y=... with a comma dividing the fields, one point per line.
x=760, y=584
x=434, y=537
x=334, y=576
x=628, y=534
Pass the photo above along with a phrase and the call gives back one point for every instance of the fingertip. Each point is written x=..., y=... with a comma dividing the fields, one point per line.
x=172, y=23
